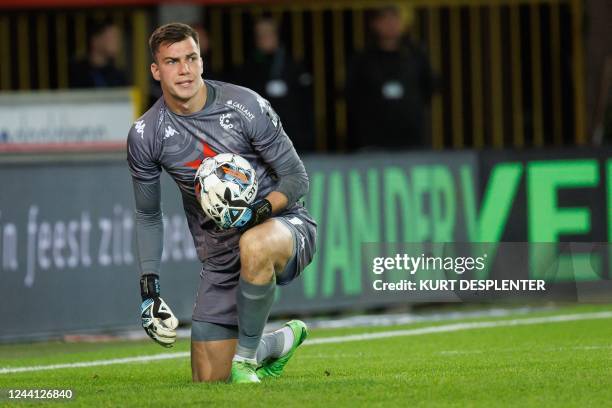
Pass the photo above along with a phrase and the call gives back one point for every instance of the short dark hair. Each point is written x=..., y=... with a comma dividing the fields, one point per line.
x=171, y=33
x=100, y=26
x=387, y=10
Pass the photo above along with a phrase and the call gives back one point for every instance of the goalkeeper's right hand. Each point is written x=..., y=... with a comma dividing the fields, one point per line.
x=158, y=320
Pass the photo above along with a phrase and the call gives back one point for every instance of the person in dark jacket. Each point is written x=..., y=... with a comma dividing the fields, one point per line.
x=272, y=73
x=98, y=69
x=389, y=88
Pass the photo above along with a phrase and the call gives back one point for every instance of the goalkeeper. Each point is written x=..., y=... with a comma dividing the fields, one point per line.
x=194, y=119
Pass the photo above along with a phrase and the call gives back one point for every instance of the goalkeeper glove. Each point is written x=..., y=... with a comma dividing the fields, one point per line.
x=158, y=320
x=256, y=213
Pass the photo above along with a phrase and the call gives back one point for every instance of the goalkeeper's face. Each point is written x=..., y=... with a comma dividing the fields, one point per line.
x=178, y=67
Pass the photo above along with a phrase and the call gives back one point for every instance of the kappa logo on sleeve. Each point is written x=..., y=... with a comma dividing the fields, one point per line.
x=170, y=132
x=263, y=104
x=266, y=108
x=140, y=125
x=295, y=221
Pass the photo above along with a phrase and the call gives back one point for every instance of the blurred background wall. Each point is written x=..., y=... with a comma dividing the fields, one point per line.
x=507, y=73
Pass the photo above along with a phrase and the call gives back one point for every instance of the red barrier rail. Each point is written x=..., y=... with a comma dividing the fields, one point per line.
x=23, y=4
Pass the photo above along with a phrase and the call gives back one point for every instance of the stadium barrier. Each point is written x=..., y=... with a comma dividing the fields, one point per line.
x=67, y=260
x=66, y=120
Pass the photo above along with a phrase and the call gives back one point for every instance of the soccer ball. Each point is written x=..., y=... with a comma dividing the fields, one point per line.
x=225, y=185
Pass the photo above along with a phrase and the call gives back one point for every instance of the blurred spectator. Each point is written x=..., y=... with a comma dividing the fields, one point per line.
x=603, y=112
x=285, y=83
x=97, y=69
x=389, y=88
x=205, y=52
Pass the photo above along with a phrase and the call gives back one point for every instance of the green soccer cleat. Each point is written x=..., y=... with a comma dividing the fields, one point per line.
x=243, y=372
x=274, y=367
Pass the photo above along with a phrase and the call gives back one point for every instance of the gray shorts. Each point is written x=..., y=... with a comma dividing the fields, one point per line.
x=216, y=297
x=204, y=331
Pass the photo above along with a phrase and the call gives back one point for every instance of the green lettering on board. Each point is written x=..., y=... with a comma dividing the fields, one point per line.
x=609, y=213
x=488, y=226
x=315, y=207
x=397, y=205
x=421, y=185
x=609, y=188
x=497, y=200
x=443, y=208
x=546, y=221
x=397, y=193
x=337, y=243
x=365, y=215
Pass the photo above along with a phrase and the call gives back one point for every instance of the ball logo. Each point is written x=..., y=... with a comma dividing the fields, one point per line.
x=250, y=193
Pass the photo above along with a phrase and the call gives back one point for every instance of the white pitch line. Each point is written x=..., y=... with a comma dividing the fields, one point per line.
x=140, y=359
x=462, y=326
x=337, y=339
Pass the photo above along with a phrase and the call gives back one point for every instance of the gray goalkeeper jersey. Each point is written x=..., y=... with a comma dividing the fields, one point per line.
x=234, y=120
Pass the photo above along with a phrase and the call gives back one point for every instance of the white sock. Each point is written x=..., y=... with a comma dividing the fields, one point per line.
x=288, y=337
x=251, y=361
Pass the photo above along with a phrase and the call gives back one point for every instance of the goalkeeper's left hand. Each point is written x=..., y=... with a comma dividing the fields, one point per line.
x=158, y=321
x=259, y=212
x=255, y=213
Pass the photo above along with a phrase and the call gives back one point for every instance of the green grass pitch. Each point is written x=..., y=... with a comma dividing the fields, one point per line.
x=548, y=364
